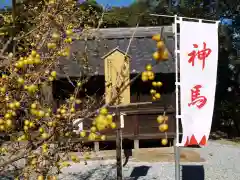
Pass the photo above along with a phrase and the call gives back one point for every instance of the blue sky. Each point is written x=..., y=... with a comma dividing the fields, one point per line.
x=4, y=3
x=115, y=2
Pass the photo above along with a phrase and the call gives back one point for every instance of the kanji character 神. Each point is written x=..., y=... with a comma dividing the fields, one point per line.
x=196, y=98
x=201, y=55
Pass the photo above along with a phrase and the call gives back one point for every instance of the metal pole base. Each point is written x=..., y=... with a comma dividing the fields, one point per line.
x=177, y=161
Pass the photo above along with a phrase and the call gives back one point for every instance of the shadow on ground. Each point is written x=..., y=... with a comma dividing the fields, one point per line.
x=193, y=172
x=138, y=172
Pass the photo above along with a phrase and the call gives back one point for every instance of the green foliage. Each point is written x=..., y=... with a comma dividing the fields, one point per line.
x=91, y=5
x=138, y=12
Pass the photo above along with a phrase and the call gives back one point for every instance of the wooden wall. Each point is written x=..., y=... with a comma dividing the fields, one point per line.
x=140, y=121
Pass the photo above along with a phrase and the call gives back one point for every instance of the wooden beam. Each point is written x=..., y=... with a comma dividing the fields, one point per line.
x=171, y=135
x=143, y=110
x=131, y=104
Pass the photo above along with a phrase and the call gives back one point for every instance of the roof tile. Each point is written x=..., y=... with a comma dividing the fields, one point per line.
x=140, y=50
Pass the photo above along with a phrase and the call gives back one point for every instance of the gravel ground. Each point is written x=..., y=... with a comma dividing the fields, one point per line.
x=222, y=163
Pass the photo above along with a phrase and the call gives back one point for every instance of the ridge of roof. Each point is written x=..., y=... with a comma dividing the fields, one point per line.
x=116, y=33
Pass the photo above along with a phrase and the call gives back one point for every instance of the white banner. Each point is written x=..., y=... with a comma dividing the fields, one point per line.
x=198, y=72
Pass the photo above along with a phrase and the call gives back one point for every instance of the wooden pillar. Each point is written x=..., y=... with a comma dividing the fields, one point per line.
x=136, y=126
x=96, y=146
x=136, y=144
x=47, y=98
x=47, y=94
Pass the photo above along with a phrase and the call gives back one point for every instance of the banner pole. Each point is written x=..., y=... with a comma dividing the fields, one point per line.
x=176, y=146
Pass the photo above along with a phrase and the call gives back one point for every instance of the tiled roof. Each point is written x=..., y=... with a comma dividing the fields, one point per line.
x=140, y=50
